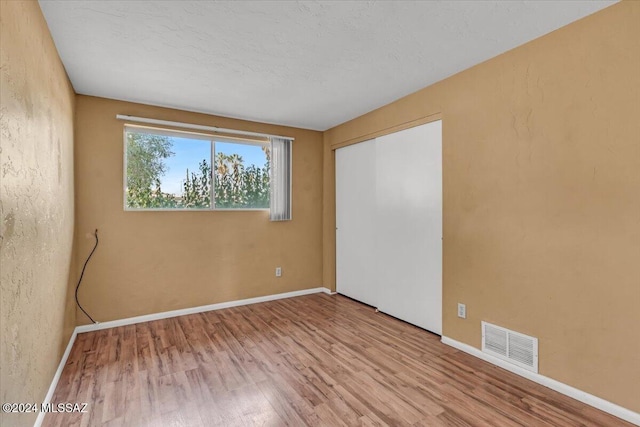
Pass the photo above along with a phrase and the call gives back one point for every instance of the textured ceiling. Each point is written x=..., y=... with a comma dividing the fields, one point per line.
x=310, y=64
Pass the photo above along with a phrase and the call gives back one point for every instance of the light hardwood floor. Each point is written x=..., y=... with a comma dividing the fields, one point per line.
x=311, y=360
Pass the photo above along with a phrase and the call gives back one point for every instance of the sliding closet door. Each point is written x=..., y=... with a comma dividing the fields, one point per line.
x=355, y=216
x=409, y=225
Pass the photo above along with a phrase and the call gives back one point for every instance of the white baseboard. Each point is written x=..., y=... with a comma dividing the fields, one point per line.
x=158, y=316
x=193, y=310
x=56, y=377
x=567, y=390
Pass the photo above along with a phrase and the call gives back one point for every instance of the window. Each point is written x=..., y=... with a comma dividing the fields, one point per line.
x=191, y=171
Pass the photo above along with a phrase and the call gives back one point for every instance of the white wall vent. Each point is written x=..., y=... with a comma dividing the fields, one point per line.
x=514, y=347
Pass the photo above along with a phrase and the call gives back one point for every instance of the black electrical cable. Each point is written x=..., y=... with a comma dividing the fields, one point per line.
x=82, y=274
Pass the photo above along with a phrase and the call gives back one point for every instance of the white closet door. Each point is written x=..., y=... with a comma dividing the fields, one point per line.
x=408, y=225
x=355, y=216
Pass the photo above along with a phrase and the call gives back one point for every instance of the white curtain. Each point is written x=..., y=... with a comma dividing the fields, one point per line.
x=280, y=179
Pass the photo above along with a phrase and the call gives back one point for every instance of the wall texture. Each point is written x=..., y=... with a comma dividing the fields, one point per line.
x=36, y=207
x=149, y=262
x=541, y=153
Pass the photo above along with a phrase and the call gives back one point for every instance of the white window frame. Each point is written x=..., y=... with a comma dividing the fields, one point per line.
x=191, y=135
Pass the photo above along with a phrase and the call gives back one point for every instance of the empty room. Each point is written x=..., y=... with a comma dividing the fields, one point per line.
x=323, y=213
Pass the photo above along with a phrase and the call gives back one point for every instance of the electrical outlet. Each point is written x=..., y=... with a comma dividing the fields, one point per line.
x=278, y=271
x=462, y=311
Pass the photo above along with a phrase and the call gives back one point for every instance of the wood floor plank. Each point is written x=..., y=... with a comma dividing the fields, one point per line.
x=314, y=360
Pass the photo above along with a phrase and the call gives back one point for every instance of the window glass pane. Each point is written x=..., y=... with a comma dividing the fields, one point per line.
x=241, y=175
x=167, y=172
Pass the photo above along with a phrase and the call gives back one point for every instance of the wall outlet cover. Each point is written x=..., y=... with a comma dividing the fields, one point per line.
x=462, y=311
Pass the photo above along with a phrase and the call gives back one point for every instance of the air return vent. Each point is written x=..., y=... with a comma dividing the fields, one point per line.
x=514, y=347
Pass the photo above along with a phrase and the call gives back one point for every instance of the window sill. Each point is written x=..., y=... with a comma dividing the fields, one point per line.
x=198, y=210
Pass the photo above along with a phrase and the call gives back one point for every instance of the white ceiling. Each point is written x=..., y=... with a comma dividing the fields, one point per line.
x=309, y=64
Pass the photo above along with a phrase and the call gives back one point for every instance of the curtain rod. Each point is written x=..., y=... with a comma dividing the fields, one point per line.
x=197, y=127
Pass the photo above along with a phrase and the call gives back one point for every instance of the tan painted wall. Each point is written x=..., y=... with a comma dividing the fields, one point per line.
x=36, y=207
x=150, y=262
x=541, y=152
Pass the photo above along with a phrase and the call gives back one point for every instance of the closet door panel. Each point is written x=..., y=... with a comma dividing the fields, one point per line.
x=408, y=225
x=355, y=216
